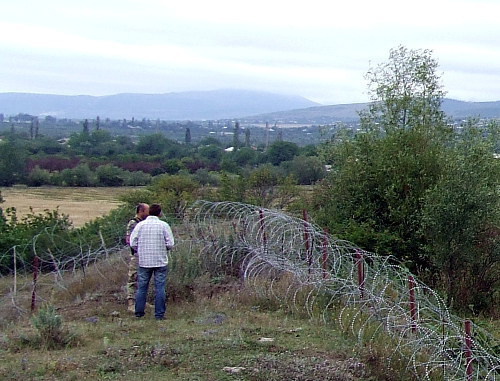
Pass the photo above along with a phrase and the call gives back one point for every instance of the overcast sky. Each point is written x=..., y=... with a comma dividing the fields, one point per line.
x=317, y=49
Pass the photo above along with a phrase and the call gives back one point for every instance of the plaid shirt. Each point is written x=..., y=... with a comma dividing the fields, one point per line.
x=152, y=238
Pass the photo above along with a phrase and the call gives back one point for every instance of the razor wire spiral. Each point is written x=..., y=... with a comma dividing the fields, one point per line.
x=267, y=244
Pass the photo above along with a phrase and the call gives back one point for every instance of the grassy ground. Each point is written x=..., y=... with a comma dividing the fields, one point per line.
x=80, y=204
x=231, y=335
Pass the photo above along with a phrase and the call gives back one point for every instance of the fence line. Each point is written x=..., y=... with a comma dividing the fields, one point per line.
x=376, y=294
x=372, y=294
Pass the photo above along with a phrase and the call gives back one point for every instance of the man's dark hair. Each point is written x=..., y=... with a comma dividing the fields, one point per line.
x=140, y=207
x=155, y=210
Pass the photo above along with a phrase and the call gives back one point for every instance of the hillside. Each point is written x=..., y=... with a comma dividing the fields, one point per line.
x=348, y=113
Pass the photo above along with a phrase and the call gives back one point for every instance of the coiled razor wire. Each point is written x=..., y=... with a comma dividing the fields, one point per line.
x=262, y=244
x=268, y=244
x=58, y=251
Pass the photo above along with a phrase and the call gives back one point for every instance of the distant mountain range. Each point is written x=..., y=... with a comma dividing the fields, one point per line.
x=349, y=112
x=195, y=105
x=209, y=105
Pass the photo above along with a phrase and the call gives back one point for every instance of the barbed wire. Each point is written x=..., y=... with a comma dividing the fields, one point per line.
x=374, y=292
x=296, y=262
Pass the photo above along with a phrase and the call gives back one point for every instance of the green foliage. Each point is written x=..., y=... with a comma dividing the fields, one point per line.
x=51, y=333
x=412, y=188
x=261, y=186
x=174, y=193
x=155, y=144
x=205, y=177
x=282, y=151
x=110, y=175
x=12, y=162
x=232, y=187
x=80, y=176
x=210, y=153
x=462, y=222
x=137, y=178
x=243, y=156
x=306, y=169
x=38, y=177
x=172, y=166
x=405, y=91
x=20, y=234
x=377, y=188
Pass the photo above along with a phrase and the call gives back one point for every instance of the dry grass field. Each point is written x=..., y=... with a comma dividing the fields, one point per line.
x=80, y=204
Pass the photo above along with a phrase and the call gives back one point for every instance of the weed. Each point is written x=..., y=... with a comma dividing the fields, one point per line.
x=51, y=333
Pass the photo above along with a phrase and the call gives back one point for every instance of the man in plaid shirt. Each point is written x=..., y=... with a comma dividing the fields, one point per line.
x=152, y=238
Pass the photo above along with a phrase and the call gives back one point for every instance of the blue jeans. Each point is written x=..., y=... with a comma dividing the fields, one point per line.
x=143, y=276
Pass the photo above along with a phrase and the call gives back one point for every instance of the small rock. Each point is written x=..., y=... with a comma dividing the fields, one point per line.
x=266, y=340
x=233, y=369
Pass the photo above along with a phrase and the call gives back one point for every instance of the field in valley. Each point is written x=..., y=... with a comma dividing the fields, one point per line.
x=79, y=203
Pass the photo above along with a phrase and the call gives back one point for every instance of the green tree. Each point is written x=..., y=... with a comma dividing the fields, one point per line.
x=306, y=169
x=236, y=135
x=247, y=137
x=86, y=126
x=80, y=176
x=12, y=161
x=232, y=187
x=110, y=175
x=374, y=195
x=405, y=91
x=175, y=193
x=211, y=154
x=38, y=177
x=461, y=219
x=154, y=144
x=244, y=156
x=282, y=151
x=261, y=186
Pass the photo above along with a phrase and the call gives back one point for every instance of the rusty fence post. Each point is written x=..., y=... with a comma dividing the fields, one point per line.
x=469, y=370
x=36, y=267
x=324, y=262
x=262, y=228
x=413, y=304
x=361, y=273
x=307, y=240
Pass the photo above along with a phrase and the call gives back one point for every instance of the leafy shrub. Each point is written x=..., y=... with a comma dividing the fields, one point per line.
x=38, y=177
x=51, y=333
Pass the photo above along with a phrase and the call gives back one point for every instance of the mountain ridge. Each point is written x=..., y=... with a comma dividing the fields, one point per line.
x=192, y=105
x=210, y=105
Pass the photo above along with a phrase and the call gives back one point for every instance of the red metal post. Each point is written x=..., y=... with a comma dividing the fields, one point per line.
x=468, y=349
x=306, y=239
x=36, y=266
x=413, y=305
x=264, y=237
x=325, y=254
x=361, y=274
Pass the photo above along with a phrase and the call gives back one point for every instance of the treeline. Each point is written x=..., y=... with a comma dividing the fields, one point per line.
x=96, y=158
